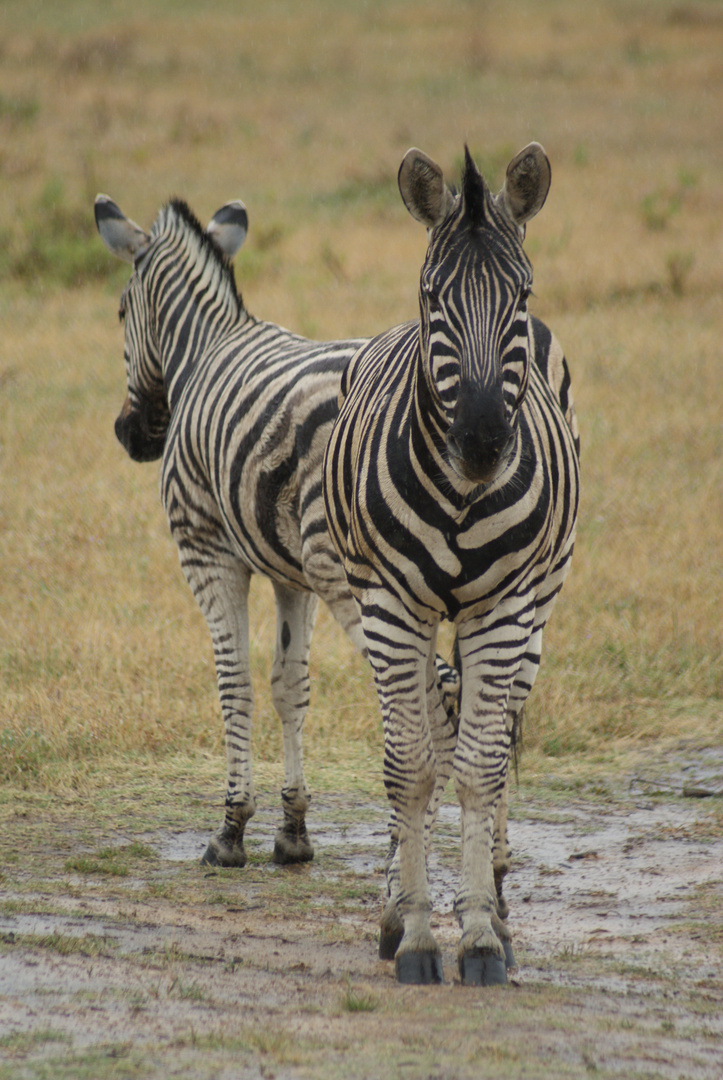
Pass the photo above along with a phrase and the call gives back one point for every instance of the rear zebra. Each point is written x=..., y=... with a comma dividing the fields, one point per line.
x=451, y=490
x=240, y=412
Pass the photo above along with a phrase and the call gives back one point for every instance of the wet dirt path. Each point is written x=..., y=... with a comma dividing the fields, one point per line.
x=617, y=921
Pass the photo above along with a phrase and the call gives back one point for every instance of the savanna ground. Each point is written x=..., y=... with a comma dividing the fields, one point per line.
x=119, y=955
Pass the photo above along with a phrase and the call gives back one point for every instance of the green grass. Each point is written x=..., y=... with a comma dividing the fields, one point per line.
x=22, y=1042
x=112, y=1061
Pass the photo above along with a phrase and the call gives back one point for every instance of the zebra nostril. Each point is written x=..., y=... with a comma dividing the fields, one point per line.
x=453, y=444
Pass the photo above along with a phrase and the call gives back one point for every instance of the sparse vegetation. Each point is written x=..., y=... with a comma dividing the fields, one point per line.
x=357, y=1000
x=110, y=726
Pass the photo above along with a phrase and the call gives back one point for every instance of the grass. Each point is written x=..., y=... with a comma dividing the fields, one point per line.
x=357, y=1000
x=109, y=719
x=20, y=1042
x=632, y=651
x=115, y=861
x=63, y=944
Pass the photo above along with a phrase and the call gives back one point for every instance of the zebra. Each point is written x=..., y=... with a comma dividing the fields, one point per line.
x=239, y=410
x=451, y=489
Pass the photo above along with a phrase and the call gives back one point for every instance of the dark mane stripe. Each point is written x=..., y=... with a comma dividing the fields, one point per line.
x=177, y=214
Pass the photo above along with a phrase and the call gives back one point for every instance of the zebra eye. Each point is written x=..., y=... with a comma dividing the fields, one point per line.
x=524, y=297
x=432, y=296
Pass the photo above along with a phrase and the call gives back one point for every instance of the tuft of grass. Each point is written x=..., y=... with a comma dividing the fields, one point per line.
x=188, y=991
x=109, y=1061
x=21, y=1043
x=356, y=1000
x=114, y=861
x=84, y=864
x=679, y=265
x=63, y=944
x=660, y=206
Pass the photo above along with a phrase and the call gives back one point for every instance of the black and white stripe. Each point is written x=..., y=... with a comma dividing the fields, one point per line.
x=451, y=488
x=240, y=411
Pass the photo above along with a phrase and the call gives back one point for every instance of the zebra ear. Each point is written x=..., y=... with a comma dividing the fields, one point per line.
x=526, y=184
x=120, y=235
x=422, y=187
x=228, y=227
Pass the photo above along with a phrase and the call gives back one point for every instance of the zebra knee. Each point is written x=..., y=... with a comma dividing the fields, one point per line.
x=409, y=785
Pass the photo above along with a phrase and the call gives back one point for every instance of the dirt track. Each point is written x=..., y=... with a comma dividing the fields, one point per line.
x=615, y=910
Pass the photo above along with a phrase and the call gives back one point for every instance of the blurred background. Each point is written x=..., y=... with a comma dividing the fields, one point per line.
x=304, y=111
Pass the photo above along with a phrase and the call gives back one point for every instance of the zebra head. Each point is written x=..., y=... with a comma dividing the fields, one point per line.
x=142, y=424
x=474, y=286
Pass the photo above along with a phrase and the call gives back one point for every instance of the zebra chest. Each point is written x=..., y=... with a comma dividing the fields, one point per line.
x=447, y=561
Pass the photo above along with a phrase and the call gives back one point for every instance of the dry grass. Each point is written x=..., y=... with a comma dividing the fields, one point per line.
x=305, y=111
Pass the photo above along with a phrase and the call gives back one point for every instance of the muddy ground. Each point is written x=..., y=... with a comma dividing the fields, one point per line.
x=120, y=956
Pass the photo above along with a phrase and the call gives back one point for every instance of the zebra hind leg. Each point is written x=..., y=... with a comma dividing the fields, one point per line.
x=502, y=853
x=295, y=616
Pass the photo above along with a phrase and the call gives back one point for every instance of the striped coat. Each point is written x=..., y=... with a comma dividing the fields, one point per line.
x=239, y=411
x=451, y=488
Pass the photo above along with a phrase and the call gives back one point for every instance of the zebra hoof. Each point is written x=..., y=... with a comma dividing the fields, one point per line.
x=510, y=961
x=290, y=848
x=219, y=853
x=389, y=942
x=419, y=968
x=482, y=967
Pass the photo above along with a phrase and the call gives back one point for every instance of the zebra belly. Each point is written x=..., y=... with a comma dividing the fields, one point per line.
x=243, y=460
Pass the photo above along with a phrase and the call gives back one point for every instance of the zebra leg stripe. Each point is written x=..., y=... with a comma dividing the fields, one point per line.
x=222, y=594
x=290, y=688
x=443, y=721
x=492, y=653
x=401, y=670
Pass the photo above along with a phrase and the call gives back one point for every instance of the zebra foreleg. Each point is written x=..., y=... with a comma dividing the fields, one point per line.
x=400, y=672
x=481, y=770
x=443, y=720
x=223, y=599
x=295, y=618
x=481, y=953
x=324, y=572
x=501, y=852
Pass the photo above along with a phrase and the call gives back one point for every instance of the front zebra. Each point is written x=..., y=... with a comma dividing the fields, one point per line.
x=451, y=491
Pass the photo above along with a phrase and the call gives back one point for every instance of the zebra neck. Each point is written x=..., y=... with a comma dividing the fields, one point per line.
x=190, y=322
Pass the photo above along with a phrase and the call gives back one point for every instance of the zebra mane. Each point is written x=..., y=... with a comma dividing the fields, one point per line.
x=479, y=208
x=475, y=192
x=175, y=218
